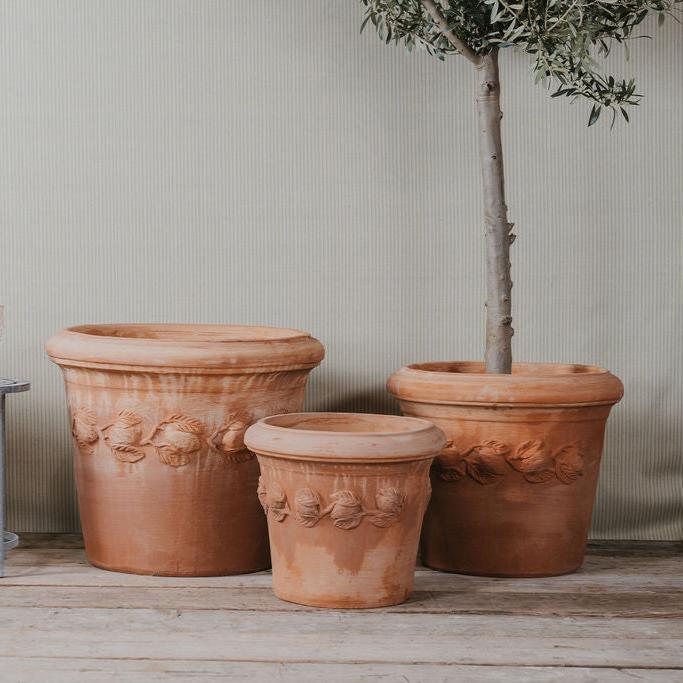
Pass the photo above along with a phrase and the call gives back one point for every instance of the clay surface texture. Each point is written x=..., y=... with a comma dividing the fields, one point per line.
x=344, y=495
x=515, y=484
x=158, y=415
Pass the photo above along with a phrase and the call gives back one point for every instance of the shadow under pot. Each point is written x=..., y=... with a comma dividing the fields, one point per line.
x=515, y=485
x=158, y=414
x=345, y=496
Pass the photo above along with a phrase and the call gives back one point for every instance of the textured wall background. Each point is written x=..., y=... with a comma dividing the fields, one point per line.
x=185, y=160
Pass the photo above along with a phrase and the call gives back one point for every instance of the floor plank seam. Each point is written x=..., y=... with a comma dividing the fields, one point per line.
x=337, y=662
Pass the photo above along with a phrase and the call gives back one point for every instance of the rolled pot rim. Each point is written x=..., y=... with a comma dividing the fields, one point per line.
x=177, y=347
x=529, y=385
x=279, y=436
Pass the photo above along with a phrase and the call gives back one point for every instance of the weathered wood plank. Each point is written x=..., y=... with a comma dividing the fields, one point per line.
x=67, y=670
x=342, y=636
x=596, y=547
x=38, y=540
x=635, y=548
x=624, y=605
x=593, y=580
x=669, y=563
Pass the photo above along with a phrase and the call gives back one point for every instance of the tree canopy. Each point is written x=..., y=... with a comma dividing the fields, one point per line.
x=564, y=37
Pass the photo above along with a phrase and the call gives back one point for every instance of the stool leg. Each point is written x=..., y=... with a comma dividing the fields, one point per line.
x=2, y=484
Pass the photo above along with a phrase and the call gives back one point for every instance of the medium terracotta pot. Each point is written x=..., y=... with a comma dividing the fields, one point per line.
x=158, y=415
x=515, y=485
x=345, y=495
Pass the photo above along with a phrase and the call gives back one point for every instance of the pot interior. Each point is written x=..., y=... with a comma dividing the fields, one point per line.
x=189, y=333
x=520, y=369
x=345, y=423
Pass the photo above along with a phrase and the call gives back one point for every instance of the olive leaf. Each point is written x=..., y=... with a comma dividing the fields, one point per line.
x=563, y=38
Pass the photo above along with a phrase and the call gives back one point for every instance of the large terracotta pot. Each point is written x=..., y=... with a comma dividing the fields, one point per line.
x=345, y=495
x=514, y=487
x=158, y=415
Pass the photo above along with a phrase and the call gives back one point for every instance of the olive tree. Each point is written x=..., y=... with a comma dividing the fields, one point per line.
x=564, y=39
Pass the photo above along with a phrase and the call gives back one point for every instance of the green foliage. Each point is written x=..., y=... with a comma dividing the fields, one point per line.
x=564, y=37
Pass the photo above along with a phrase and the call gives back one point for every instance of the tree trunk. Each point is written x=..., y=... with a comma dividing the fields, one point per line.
x=498, y=231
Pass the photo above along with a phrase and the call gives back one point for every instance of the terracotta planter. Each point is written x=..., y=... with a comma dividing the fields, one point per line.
x=514, y=488
x=158, y=415
x=345, y=495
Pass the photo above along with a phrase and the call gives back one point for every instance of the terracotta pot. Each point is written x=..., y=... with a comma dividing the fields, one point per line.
x=158, y=415
x=345, y=495
x=514, y=487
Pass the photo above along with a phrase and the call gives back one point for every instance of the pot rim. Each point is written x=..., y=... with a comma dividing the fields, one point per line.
x=168, y=347
x=403, y=438
x=529, y=385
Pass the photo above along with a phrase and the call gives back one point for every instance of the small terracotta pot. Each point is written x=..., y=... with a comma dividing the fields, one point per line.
x=514, y=487
x=345, y=495
x=158, y=415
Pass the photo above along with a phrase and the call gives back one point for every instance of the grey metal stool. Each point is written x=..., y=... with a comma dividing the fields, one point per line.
x=9, y=540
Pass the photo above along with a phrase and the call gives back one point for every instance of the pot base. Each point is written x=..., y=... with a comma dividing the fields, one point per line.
x=493, y=575
x=124, y=569
x=335, y=603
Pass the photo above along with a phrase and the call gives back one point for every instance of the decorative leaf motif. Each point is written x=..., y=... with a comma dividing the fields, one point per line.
x=539, y=476
x=450, y=463
x=569, y=463
x=390, y=502
x=262, y=494
x=83, y=428
x=183, y=423
x=277, y=502
x=127, y=418
x=307, y=506
x=126, y=430
x=181, y=440
x=169, y=455
x=484, y=469
x=347, y=510
x=532, y=459
x=484, y=462
x=233, y=437
x=126, y=453
x=490, y=448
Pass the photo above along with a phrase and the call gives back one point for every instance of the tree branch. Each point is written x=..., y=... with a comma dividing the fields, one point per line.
x=440, y=20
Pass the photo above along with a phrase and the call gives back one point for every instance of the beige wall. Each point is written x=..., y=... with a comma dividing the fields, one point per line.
x=206, y=160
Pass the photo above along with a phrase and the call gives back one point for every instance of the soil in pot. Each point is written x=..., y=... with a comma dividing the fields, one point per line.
x=513, y=489
x=158, y=414
x=345, y=496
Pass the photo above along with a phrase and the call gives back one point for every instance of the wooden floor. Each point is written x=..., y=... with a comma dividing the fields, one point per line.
x=619, y=618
